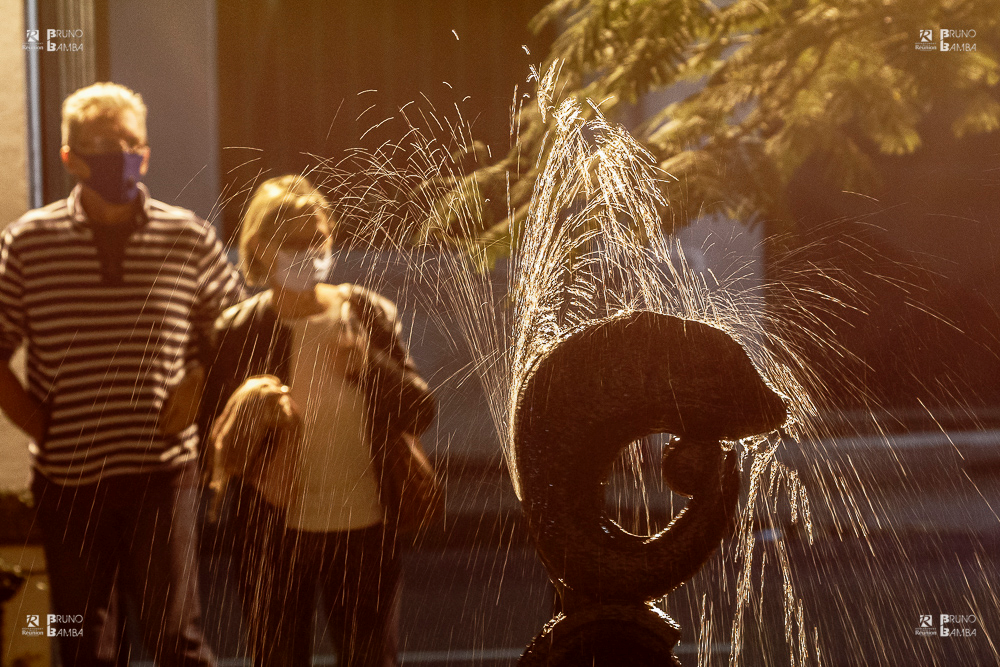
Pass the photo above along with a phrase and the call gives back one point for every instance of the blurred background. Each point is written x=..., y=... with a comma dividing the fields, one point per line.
x=825, y=152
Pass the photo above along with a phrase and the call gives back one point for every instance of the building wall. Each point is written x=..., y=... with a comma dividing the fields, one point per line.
x=13, y=142
x=13, y=193
x=166, y=52
x=14, y=465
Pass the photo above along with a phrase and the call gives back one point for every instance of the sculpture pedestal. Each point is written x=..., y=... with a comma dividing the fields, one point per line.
x=606, y=636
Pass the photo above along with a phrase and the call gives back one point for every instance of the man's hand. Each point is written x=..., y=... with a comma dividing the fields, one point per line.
x=23, y=409
x=181, y=408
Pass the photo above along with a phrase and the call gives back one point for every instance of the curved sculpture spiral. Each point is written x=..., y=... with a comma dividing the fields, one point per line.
x=602, y=387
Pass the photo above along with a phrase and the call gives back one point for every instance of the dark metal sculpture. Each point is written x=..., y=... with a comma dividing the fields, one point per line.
x=602, y=387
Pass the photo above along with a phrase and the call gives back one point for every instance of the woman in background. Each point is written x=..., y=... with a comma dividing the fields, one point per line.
x=320, y=392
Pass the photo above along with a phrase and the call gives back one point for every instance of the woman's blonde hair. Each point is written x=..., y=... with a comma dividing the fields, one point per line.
x=275, y=201
x=96, y=100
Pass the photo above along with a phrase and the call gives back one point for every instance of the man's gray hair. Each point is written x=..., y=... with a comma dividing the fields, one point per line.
x=97, y=100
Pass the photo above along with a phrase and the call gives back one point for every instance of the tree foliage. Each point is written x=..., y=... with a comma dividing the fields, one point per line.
x=771, y=84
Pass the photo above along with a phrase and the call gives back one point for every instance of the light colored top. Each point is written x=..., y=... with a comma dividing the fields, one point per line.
x=335, y=487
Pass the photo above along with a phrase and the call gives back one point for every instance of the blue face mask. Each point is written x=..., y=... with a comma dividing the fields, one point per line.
x=115, y=176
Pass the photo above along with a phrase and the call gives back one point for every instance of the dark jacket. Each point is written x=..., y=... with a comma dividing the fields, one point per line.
x=249, y=340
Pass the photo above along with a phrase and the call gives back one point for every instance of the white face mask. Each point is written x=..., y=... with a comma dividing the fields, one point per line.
x=301, y=270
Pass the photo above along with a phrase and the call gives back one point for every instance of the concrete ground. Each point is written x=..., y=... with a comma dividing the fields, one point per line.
x=913, y=532
x=475, y=593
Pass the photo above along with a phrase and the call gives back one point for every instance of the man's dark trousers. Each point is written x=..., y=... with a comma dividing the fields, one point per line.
x=131, y=534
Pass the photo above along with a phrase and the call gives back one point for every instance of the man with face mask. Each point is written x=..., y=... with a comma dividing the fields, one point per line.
x=111, y=293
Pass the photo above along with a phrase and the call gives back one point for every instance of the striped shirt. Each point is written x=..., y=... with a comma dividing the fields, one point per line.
x=105, y=348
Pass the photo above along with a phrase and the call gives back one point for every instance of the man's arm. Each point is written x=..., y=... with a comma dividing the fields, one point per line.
x=23, y=409
x=181, y=408
x=219, y=287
